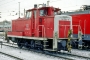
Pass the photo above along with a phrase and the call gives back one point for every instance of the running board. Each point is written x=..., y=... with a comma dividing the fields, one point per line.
x=25, y=37
x=50, y=50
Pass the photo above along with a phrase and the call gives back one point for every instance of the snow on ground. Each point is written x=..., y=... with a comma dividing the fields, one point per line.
x=1, y=39
x=27, y=55
x=81, y=52
x=4, y=57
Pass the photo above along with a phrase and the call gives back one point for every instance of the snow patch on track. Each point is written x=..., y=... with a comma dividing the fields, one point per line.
x=27, y=55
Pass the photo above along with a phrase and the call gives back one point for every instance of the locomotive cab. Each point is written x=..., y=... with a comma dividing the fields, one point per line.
x=48, y=11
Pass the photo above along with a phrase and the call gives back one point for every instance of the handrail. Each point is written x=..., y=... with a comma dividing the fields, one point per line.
x=84, y=26
x=79, y=27
x=43, y=30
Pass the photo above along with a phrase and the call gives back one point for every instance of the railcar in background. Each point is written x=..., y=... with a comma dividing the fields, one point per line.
x=81, y=27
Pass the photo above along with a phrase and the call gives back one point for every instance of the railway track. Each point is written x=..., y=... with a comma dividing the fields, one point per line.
x=40, y=52
x=83, y=57
x=66, y=56
x=16, y=58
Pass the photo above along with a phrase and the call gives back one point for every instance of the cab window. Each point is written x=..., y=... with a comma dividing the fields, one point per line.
x=57, y=12
x=43, y=12
x=28, y=14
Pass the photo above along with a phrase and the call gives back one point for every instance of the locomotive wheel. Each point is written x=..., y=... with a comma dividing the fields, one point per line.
x=32, y=44
x=26, y=45
x=19, y=45
x=42, y=47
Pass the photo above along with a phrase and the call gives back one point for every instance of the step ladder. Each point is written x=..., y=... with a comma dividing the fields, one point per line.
x=45, y=44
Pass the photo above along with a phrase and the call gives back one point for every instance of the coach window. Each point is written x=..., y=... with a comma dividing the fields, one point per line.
x=28, y=14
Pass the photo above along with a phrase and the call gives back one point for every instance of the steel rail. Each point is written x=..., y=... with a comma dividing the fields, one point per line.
x=53, y=54
x=41, y=52
x=10, y=56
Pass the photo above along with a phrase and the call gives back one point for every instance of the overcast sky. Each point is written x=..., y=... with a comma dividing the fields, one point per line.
x=7, y=6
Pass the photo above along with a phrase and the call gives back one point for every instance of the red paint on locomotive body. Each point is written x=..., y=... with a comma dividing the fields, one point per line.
x=40, y=23
x=83, y=21
x=64, y=27
x=36, y=24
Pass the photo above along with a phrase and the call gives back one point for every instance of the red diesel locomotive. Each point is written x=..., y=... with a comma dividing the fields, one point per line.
x=42, y=28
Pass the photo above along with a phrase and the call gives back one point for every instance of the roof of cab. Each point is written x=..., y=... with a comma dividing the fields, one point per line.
x=55, y=9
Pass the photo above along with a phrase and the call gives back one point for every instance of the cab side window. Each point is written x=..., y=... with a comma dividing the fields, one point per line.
x=43, y=12
x=28, y=14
